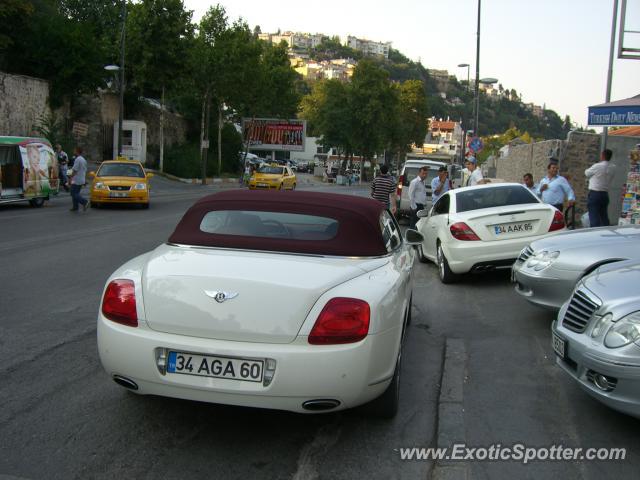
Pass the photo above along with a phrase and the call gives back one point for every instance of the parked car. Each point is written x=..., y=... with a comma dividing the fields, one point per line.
x=273, y=177
x=28, y=170
x=484, y=227
x=596, y=337
x=547, y=270
x=120, y=182
x=408, y=173
x=295, y=301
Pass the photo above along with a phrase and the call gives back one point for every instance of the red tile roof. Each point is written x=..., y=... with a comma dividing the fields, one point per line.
x=442, y=125
x=626, y=131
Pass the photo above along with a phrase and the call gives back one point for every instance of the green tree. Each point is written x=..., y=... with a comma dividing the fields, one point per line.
x=14, y=15
x=158, y=37
x=51, y=46
x=328, y=114
x=372, y=106
x=409, y=121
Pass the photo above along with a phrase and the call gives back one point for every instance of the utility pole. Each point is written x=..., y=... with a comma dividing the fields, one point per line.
x=614, y=20
x=477, y=99
x=122, y=43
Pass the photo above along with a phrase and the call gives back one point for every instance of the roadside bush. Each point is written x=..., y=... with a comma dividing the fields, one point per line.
x=184, y=160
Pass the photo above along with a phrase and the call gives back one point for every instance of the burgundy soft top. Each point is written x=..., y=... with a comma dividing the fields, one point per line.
x=358, y=233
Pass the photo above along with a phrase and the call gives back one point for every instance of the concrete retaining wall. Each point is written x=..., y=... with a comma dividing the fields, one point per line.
x=576, y=154
x=23, y=100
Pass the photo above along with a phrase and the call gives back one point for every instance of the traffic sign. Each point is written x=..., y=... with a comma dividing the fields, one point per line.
x=475, y=144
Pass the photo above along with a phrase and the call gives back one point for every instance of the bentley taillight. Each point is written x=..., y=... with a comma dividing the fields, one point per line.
x=342, y=320
x=119, y=302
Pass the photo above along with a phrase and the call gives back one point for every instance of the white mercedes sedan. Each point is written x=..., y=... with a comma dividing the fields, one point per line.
x=296, y=301
x=480, y=228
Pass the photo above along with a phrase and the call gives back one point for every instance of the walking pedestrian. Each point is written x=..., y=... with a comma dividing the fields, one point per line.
x=78, y=179
x=383, y=189
x=417, y=195
x=600, y=176
x=475, y=174
x=554, y=188
x=440, y=184
x=63, y=162
x=527, y=181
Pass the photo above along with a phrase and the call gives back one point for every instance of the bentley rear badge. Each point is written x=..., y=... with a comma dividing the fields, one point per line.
x=220, y=296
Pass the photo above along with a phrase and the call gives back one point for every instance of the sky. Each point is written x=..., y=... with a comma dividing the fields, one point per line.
x=552, y=52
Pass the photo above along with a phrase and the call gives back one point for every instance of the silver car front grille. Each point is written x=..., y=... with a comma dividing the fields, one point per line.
x=525, y=253
x=581, y=307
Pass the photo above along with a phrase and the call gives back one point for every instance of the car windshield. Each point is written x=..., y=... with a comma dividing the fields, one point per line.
x=120, y=170
x=412, y=172
x=268, y=169
x=493, y=197
x=266, y=224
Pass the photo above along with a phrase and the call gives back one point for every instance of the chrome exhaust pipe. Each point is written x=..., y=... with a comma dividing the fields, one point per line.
x=320, y=404
x=125, y=382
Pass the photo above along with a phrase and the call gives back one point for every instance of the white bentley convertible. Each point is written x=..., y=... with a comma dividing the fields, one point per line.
x=287, y=300
x=480, y=228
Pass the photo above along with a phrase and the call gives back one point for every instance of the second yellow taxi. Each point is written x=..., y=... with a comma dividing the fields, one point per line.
x=273, y=177
x=120, y=181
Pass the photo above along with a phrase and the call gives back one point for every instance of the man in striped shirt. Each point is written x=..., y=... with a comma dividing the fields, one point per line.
x=383, y=189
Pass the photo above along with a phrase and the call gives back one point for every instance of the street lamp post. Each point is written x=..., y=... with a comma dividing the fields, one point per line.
x=120, y=68
x=463, y=124
x=115, y=69
x=462, y=65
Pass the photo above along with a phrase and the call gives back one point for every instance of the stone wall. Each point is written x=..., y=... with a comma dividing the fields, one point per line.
x=23, y=100
x=576, y=154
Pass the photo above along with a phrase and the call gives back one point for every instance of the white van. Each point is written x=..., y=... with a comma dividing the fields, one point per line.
x=409, y=172
x=28, y=170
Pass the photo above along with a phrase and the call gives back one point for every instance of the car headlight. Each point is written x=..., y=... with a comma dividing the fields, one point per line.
x=542, y=260
x=100, y=186
x=140, y=186
x=600, y=325
x=625, y=331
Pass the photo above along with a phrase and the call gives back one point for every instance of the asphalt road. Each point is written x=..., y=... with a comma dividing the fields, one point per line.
x=62, y=417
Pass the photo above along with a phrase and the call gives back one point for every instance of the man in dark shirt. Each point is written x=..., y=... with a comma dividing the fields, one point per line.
x=383, y=189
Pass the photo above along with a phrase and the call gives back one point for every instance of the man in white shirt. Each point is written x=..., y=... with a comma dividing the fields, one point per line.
x=78, y=179
x=475, y=175
x=600, y=175
x=417, y=195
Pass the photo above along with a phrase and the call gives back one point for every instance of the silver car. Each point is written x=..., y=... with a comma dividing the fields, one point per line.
x=596, y=337
x=547, y=270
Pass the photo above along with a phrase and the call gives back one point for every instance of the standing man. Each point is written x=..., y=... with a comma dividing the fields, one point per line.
x=78, y=179
x=553, y=188
x=63, y=161
x=383, y=189
x=417, y=195
x=528, y=182
x=440, y=184
x=600, y=175
x=475, y=175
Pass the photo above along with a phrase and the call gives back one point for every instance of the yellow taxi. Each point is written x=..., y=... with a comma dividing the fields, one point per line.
x=120, y=181
x=273, y=177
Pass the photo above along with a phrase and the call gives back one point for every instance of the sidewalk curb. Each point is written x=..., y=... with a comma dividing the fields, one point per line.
x=451, y=427
x=194, y=181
